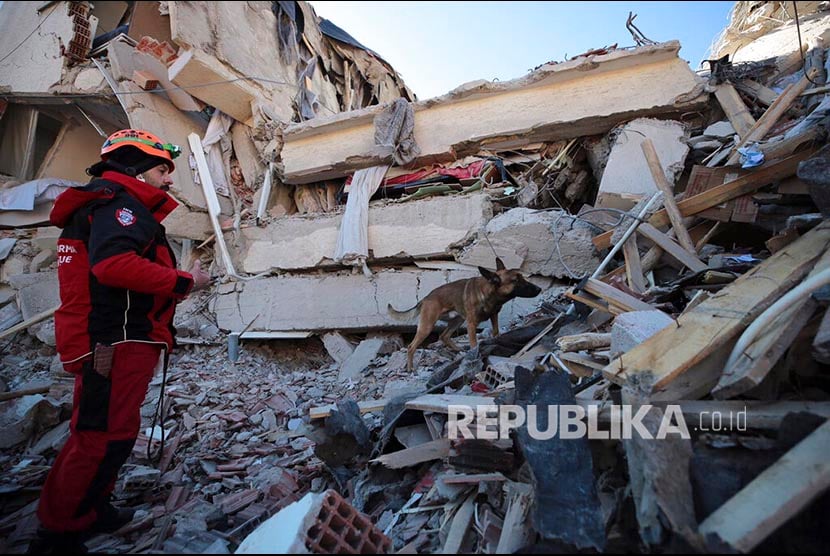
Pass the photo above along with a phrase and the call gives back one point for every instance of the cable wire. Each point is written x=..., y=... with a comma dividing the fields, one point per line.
x=13, y=50
x=800, y=49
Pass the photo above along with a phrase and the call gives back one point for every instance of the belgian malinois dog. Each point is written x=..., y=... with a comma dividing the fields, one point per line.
x=473, y=299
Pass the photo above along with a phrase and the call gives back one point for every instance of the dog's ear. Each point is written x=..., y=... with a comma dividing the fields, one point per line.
x=490, y=275
x=499, y=264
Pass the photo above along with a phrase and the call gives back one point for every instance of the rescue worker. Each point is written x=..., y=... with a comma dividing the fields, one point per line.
x=118, y=287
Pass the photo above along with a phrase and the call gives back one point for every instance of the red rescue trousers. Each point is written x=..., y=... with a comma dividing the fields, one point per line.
x=105, y=421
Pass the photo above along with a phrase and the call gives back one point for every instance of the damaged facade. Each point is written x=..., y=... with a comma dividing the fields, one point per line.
x=663, y=212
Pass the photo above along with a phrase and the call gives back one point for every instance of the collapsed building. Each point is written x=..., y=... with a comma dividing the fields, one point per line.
x=662, y=211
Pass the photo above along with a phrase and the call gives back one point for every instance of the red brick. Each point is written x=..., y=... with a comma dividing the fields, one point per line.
x=341, y=529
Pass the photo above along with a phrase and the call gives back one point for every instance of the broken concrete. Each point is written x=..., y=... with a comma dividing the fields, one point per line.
x=421, y=228
x=362, y=356
x=189, y=224
x=782, y=43
x=6, y=295
x=246, y=153
x=721, y=130
x=6, y=246
x=337, y=345
x=231, y=94
x=77, y=147
x=338, y=301
x=584, y=96
x=46, y=237
x=542, y=243
x=627, y=177
x=36, y=292
x=42, y=260
x=38, y=66
x=635, y=327
x=21, y=417
x=241, y=38
x=126, y=60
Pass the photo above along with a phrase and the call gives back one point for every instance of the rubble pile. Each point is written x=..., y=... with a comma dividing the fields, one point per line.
x=667, y=391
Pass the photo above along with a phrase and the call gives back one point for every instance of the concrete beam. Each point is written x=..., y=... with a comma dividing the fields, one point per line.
x=340, y=301
x=585, y=96
x=537, y=243
x=627, y=177
x=231, y=95
x=421, y=228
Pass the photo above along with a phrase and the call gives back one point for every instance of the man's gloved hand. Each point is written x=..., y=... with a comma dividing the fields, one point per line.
x=201, y=279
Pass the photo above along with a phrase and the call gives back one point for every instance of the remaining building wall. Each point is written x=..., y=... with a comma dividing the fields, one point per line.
x=37, y=64
x=338, y=301
x=411, y=229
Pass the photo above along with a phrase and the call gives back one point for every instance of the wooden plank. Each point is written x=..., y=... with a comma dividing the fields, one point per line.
x=734, y=108
x=668, y=191
x=785, y=147
x=774, y=496
x=537, y=337
x=762, y=94
x=28, y=322
x=757, y=361
x=671, y=247
x=588, y=340
x=703, y=178
x=593, y=303
x=364, y=407
x=708, y=415
x=715, y=323
x=712, y=229
x=634, y=266
x=212, y=200
x=436, y=449
x=615, y=297
x=770, y=117
x=439, y=403
x=471, y=478
x=748, y=183
x=460, y=526
x=583, y=360
x=4, y=396
x=515, y=531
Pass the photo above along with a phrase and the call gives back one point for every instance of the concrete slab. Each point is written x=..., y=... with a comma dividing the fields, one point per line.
x=722, y=130
x=246, y=153
x=584, y=96
x=360, y=358
x=422, y=228
x=340, y=301
x=633, y=328
x=6, y=294
x=46, y=237
x=627, y=177
x=337, y=346
x=543, y=243
x=231, y=95
x=36, y=292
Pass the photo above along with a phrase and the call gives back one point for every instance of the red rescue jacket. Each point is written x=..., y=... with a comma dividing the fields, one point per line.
x=117, y=273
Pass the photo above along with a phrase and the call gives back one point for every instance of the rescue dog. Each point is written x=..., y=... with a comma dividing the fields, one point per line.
x=473, y=299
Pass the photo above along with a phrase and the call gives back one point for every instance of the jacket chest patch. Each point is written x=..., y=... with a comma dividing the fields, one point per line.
x=125, y=217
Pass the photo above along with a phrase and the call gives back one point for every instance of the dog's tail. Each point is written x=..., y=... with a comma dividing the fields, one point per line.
x=405, y=314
